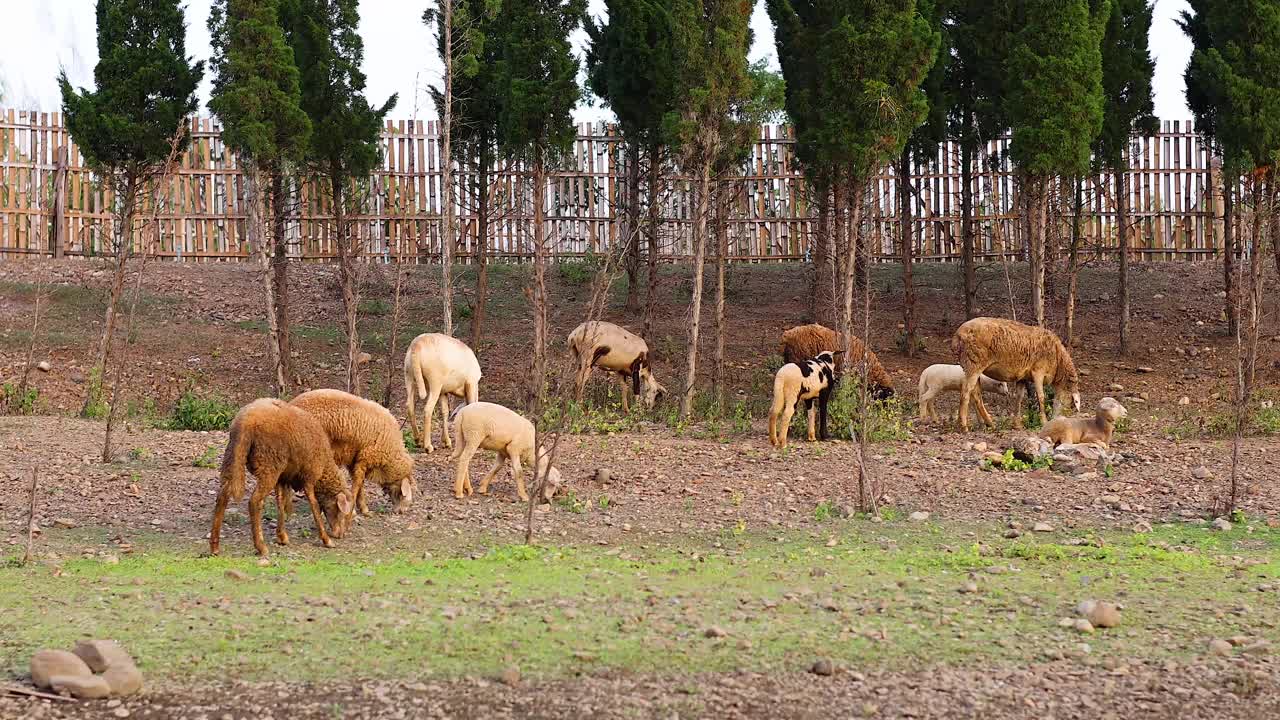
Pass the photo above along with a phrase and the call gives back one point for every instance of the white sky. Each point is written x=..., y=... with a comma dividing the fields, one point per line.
x=39, y=37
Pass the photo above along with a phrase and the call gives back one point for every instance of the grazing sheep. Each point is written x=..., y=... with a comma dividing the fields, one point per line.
x=940, y=378
x=366, y=440
x=614, y=349
x=805, y=380
x=1010, y=351
x=287, y=450
x=806, y=341
x=436, y=366
x=494, y=427
x=1097, y=429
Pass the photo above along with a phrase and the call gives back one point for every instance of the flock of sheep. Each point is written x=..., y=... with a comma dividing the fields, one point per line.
x=321, y=439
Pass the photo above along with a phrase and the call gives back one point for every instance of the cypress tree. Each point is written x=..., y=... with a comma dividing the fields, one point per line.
x=1128, y=106
x=344, y=144
x=257, y=97
x=1054, y=105
x=144, y=90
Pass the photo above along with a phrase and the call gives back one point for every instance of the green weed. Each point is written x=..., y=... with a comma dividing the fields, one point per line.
x=194, y=411
x=208, y=458
x=95, y=406
x=16, y=403
x=1010, y=463
x=569, y=501
x=824, y=511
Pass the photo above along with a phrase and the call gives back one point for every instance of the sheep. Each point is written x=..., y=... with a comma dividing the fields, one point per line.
x=596, y=343
x=366, y=440
x=1097, y=429
x=805, y=380
x=287, y=450
x=494, y=427
x=940, y=378
x=1009, y=351
x=436, y=366
x=806, y=341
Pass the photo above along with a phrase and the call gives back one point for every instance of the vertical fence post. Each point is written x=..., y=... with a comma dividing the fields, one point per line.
x=59, y=234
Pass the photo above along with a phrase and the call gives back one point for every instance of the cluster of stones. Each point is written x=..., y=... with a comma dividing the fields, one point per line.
x=93, y=670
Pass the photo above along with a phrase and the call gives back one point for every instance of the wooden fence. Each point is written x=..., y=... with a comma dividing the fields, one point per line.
x=51, y=204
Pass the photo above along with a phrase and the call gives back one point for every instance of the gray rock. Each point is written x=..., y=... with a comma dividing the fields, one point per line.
x=918, y=516
x=47, y=664
x=1222, y=524
x=1218, y=646
x=715, y=631
x=822, y=667
x=1201, y=472
x=101, y=655
x=1042, y=527
x=44, y=366
x=1083, y=625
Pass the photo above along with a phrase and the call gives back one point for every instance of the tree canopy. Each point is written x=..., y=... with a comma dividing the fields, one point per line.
x=634, y=66
x=1127, y=68
x=537, y=76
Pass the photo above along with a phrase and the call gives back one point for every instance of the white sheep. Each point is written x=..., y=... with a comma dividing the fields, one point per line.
x=494, y=427
x=940, y=378
x=596, y=343
x=807, y=380
x=436, y=366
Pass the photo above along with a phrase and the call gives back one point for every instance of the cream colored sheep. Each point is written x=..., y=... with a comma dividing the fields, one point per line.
x=807, y=380
x=366, y=440
x=1009, y=351
x=436, y=366
x=287, y=450
x=940, y=378
x=494, y=427
x=806, y=341
x=1097, y=429
x=614, y=349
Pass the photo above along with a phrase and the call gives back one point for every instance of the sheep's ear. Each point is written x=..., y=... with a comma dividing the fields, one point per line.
x=345, y=505
x=406, y=487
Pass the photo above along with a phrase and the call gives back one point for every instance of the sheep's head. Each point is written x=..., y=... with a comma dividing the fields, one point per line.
x=552, y=480
x=1002, y=388
x=396, y=478
x=339, y=510
x=651, y=389
x=1111, y=410
x=881, y=392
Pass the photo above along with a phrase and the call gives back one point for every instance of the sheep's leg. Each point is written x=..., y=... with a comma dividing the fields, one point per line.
x=266, y=483
x=517, y=475
x=982, y=409
x=1039, y=383
x=444, y=420
x=970, y=382
x=626, y=393
x=319, y=517
x=283, y=503
x=813, y=413
x=785, y=430
x=462, y=472
x=493, y=472
x=429, y=410
x=357, y=487
x=926, y=404
x=774, y=412
x=410, y=391
x=219, y=509
x=580, y=379
x=824, y=398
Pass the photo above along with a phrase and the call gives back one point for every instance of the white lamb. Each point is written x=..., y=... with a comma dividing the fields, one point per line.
x=940, y=378
x=436, y=366
x=494, y=427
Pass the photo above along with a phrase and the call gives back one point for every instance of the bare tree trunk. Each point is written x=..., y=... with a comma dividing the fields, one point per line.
x=347, y=252
x=632, y=225
x=852, y=265
x=280, y=275
x=1073, y=262
x=908, y=254
x=538, y=370
x=840, y=243
x=449, y=235
x=482, y=249
x=723, y=194
x=655, y=219
x=1037, y=210
x=868, y=493
x=823, y=291
x=123, y=241
x=966, y=219
x=255, y=226
x=31, y=518
x=122, y=359
x=1122, y=223
x=1229, y=247
x=395, y=330
x=701, y=207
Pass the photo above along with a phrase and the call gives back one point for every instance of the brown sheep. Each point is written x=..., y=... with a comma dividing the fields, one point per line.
x=1097, y=429
x=366, y=440
x=286, y=450
x=806, y=341
x=1009, y=351
x=806, y=380
x=615, y=349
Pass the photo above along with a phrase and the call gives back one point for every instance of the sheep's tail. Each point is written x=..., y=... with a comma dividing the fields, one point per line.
x=234, y=460
x=419, y=381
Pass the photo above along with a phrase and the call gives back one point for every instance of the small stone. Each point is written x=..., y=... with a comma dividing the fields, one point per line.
x=1104, y=615
x=993, y=457
x=715, y=631
x=47, y=664
x=44, y=366
x=110, y=560
x=83, y=687
x=123, y=678
x=1184, y=400
x=102, y=655
x=264, y=562
x=510, y=676
x=239, y=575
x=1012, y=533
x=969, y=587
x=1222, y=524
x=822, y=667
x=1115, y=387
x=980, y=447
x=1066, y=622
x=1111, y=500
x=918, y=516
x=67, y=523
x=1085, y=607
x=603, y=476
x=1201, y=472
x=1142, y=526
x=1218, y=646
x=121, y=712
x=1083, y=625
x=1042, y=527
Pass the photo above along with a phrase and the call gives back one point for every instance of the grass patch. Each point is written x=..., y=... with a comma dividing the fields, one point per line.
x=19, y=403
x=196, y=411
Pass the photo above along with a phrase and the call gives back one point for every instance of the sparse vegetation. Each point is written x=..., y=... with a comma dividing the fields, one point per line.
x=197, y=411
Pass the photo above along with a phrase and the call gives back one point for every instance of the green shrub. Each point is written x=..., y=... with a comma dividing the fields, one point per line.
x=577, y=272
x=95, y=406
x=1009, y=463
x=207, y=459
x=16, y=403
x=410, y=443
x=824, y=511
x=194, y=411
x=887, y=420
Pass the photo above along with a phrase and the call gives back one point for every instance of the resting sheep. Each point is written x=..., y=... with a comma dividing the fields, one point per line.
x=366, y=440
x=596, y=343
x=806, y=380
x=436, y=366
x=940, y=378
x=494, y=427
x=287, y=450
x=806, y=341
x=1010, y=351
x=1097, y=429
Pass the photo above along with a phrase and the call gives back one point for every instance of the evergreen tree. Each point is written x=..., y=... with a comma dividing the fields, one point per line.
x=144, y=90
x=1054, y=106
x=1128, y=106
x=257, y=97
x=538, y=90
x=632, y=66
x=344, y=144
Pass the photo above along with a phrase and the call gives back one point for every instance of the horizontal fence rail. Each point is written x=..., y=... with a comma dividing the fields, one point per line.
x=51, y=204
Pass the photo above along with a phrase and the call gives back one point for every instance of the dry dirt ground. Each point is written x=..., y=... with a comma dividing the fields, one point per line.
x=692, y=486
